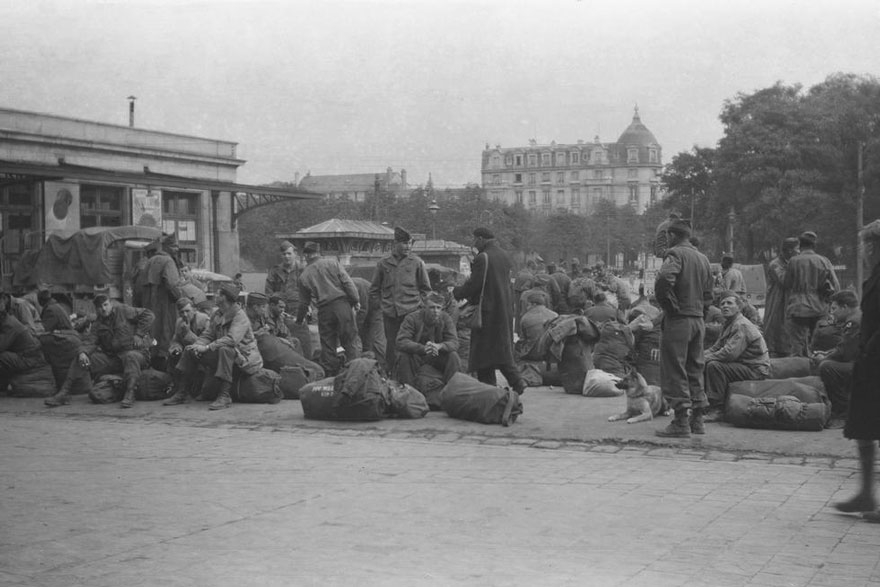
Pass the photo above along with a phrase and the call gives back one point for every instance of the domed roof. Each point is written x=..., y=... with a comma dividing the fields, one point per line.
x=637, y=133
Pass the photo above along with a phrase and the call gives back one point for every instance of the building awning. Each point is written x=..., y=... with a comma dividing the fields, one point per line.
x=18, y=171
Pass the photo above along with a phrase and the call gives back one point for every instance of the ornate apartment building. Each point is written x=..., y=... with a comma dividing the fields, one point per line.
x=555, y=177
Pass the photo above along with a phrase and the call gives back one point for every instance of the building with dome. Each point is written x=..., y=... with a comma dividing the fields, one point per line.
x=575, y=177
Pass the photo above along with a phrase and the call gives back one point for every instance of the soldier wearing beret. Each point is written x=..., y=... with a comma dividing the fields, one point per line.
x=683, y=289
x=809, y=282
x=401, y=283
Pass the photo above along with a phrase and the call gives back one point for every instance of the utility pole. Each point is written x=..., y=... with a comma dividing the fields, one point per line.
x=731, y=217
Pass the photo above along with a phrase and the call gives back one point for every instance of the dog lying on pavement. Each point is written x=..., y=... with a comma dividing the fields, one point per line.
x=643, y=401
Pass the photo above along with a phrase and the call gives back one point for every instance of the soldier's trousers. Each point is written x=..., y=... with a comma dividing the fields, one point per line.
x=681, y=362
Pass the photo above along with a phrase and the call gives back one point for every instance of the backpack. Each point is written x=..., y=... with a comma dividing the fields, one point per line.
x=466, y=398
x=260, y=388
x=107, y=390
x=405, y=401
x=359, y=393
x=153, y=385
x=293, y=379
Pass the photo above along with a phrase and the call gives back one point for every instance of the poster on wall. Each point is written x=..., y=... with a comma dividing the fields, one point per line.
x=62, y=206
x=146, y=209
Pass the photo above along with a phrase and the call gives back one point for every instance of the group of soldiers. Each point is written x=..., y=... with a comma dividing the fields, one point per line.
x=171, y=325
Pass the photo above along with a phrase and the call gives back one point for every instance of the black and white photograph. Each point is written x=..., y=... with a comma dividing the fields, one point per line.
x=443, y=293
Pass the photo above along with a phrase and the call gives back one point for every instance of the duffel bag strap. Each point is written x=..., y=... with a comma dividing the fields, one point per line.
x=512, y=398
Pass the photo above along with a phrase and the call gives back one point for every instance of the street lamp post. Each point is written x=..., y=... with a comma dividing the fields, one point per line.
x=433, y=209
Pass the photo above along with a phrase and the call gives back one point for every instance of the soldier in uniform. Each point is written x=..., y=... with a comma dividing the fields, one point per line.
x=809, y=282
x=836, y=365
x=283, y=280
x=401, y=282
x=683, y=288
x=774, y=310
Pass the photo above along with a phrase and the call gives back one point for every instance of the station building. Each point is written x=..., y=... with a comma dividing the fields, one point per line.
x=60, y=174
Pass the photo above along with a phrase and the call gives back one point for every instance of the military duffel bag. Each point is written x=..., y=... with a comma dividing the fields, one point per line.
x=466, y=398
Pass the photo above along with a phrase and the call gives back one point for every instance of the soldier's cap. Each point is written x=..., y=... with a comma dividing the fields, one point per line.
x=285, y=244
x=169, y=240
x=153, y=246
x=870, y=232
x=274, y=299
x=809, y=237
x=679, y=226
x=183, y=302
x=790, y=243
x=401, y=235
x=727, y=256
x=483, y=232
x=229, y=290
x=257, y=299
x=310, y=247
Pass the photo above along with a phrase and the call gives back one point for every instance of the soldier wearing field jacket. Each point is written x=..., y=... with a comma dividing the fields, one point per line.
x=401, y=282
x=683, y=288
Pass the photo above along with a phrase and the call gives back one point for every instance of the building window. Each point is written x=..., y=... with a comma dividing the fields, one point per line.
x=546, y=194
x=632, y=173
x=634, y=194
x=180, y=215
x=575, y=198
x=496, y=179
x=519, y=197
x=508, y=160
x=519, y=160
x=533, y=179
x=100, y=205
x=533, y=160
x=597, y=174
x=652, y=155
x=575, y=176
x=545, y=177
x=517, y=178
x=533, y=198
x=17, y=218
x=545, y=159
x=575, y=157
x=653, y=194
x=560, y=197
x=495, y=161
x=598, y=156
x=560, y=159
x=632, y=155
x=560, y=177
x=597, y=194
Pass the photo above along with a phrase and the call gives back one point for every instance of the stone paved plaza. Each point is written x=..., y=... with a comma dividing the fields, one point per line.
x=109, y=502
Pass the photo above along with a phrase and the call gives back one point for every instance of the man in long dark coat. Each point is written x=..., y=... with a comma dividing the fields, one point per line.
x=491, y=345
x=774, y=311
x=161, y=290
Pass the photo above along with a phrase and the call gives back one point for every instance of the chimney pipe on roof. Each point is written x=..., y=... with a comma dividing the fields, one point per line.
x=131, y=100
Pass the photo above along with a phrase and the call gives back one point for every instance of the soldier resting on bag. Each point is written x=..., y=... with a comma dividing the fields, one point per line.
x=123, y=342
x=427, y=337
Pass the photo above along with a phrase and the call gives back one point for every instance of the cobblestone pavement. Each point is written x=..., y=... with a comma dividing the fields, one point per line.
x=107, y=502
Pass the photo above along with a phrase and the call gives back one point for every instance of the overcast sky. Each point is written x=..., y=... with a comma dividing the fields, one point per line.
x=357, y=86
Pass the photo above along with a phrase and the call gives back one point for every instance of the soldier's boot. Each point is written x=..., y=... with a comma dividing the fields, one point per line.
x=62, y=398
x=128, y=398
x=679, y=427
x=696, y=421
x=864, y=500
x=224, y=400
x=180, y=395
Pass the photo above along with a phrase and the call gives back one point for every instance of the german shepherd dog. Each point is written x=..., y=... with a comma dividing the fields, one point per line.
x=643, y=401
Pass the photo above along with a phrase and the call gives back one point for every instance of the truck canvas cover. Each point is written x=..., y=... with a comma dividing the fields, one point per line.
x=79, y=258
